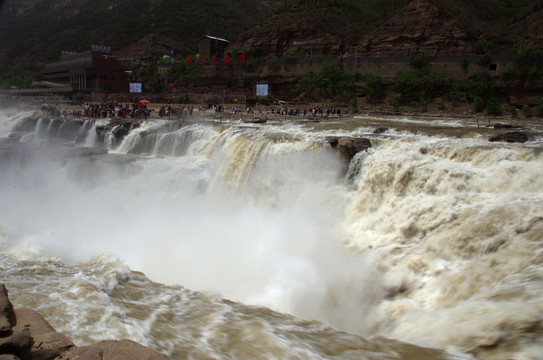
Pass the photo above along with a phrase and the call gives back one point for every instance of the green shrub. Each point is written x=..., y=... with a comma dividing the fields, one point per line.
x=353, y=103
x=395, y=103
x=493, y=106
x=373, y=87
x=273, y=64
x=330, y=81
x=480, y=46
x=513, y=111
x=484, y=60
x=465, y=64
x=527, y=64
x=539, y=108
x=527, y=111
x=418, y=61
x=414, y=85
x=478, y=104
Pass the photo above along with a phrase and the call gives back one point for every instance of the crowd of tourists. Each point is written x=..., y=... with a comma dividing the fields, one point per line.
x=114, y=109
x=182, y=111
x=306, y=112
x=110, y=109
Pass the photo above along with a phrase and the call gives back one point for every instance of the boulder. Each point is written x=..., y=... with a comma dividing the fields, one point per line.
x=47, y=343
x=511, y=137
x=18, y=343
x=8, y=357
x=112, y=350
x=349, y=146
x=15, y=341
x=380, y=130
x=7, y=313
x=333, y=141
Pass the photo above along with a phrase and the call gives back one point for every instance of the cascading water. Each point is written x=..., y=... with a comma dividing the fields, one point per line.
x=429, y=239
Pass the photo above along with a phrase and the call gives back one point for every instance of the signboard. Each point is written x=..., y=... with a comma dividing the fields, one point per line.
x=135, y=87
x=261, y=89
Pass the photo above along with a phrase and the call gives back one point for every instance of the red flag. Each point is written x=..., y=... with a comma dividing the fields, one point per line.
x=227, y=59
x=214, y=60
x=242, y=58
x=201, y=59
x=189, y=61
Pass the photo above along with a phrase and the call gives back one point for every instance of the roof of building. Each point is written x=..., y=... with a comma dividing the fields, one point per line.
x=214, y=38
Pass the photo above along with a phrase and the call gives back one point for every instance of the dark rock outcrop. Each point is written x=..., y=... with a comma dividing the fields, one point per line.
x=26, y=335
x=112, y=350
x=380, y=130
x=511, y=137
x=305, y=30
x=118, y=128
x=349, y=146
x=7, y=313
x=421, y=26
x=46, y=342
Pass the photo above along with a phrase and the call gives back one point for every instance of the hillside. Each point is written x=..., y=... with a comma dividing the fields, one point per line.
x=34, y=32
x=396, y=28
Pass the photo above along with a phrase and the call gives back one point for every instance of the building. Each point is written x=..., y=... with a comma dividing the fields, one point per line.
x=210, y=45
x=94, y=69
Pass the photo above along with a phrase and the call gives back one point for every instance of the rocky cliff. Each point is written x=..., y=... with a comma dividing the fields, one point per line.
x=422, y=26
x=303, y=31
x=528, y=31
x=308, y=31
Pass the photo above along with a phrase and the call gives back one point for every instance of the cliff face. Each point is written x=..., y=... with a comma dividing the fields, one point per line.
x=422, y=26
x=304, y=31
x=529, y=31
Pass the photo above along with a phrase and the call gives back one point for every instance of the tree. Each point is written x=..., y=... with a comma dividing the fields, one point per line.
x=330, y=81
x=373, y=86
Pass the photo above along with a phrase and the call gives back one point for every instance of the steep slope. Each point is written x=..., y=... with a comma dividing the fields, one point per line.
x=528, y=31
x=36, y=31
x=301, y=31
x=422, y=26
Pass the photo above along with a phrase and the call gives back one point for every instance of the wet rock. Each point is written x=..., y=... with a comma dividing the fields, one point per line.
x=15, y=341
x=503, y=126
x=349, y=146
x=8, y=357
x=113, y=350
x=26, y=125
x=511, y=137
x=333, y=141
x=18, y=343
x=7, y=313
x=380, y=130
x=47, y=343
x=118, y=128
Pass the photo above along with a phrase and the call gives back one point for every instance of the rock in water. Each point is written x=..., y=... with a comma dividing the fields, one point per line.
x=349, y=146
x=512, y=137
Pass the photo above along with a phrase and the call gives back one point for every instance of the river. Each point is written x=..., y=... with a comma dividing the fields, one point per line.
x=229, y=240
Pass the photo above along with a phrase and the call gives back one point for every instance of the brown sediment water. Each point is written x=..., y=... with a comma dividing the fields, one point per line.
x=429, y=248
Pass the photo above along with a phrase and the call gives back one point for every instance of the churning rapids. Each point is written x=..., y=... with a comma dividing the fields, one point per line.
x=433, y=237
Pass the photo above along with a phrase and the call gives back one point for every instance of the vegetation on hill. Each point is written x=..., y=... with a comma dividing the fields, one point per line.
x=34, y=32
x=491, y=19
x=419, y=86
